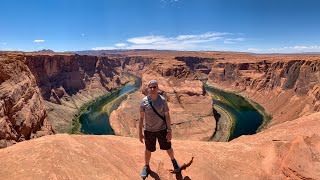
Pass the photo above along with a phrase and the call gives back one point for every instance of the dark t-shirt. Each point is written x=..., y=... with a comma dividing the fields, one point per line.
x=152, y=122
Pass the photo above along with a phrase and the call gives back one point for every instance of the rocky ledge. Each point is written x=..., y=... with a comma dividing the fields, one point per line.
x=289, y=150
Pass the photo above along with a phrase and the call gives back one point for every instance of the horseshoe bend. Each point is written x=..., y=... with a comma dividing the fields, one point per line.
x=43, y=95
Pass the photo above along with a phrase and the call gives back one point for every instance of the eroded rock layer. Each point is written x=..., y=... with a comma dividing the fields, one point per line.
x=69, y=81
x=33, y=86
x=287, y=89
x=22, y=110
x=41, y=93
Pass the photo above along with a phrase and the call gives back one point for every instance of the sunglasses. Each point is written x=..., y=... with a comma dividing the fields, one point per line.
x=153, y=87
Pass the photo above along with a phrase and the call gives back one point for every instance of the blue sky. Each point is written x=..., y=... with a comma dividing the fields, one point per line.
x=260, y=26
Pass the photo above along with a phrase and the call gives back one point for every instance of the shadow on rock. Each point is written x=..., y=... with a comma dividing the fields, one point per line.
x=216, y=115
x=180, y=177
x=154, y=175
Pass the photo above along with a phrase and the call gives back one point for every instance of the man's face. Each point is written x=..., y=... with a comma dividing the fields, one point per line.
x=153, y=89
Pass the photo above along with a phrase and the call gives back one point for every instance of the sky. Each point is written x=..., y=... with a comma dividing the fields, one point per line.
x=258, y=26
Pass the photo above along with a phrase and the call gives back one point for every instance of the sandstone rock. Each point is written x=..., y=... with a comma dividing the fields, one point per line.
x=290, y=150
x=69, y=81
x=286, y=88
x=23, y=115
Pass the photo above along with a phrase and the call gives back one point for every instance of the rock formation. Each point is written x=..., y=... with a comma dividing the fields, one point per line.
x=39, y=90
x=22, y=111
x=41, y=93
x=290, y=150
x=287, y=88
x=69, y=81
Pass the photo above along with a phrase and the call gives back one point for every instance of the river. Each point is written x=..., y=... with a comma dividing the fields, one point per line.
x=246, y=118
x=95, y=120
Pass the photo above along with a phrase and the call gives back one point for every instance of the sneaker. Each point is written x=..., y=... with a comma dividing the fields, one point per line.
x=176, y=167
x=145, y=171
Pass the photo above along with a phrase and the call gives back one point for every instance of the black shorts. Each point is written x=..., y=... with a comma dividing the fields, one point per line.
x=150, y=140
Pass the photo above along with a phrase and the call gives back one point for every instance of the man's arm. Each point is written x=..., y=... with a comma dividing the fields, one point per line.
x=141, y=137
x=169, y=130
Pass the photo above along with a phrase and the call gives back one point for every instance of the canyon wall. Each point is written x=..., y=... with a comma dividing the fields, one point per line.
x=34, y=86
x=286, y=89
x=23, y=113
x=69, y=81
x=57, y=85
x=40, y=94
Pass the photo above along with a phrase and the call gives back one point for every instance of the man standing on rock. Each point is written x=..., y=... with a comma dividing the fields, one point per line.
x=156, y=125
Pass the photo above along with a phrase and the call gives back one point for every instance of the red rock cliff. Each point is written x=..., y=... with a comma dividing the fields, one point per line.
x=287, y=89
x=69, y=81
x=22, y=111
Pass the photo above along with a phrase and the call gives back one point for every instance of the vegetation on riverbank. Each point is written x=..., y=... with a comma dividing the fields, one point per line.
x=76, y=125
x=266, y=116
x=102, y=103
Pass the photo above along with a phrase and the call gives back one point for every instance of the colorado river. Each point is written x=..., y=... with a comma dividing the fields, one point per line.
x=95, y=120
x=246, y=118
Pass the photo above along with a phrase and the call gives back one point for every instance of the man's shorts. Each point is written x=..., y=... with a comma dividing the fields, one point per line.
x=150, y=140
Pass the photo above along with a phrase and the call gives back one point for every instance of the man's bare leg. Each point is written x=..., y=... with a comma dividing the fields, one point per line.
x=146, y=168
x=147, y=157
x=173, y=160
x=171, y=153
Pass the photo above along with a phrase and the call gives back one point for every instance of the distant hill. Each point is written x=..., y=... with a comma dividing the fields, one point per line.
x=44, y=51
x=105, y=52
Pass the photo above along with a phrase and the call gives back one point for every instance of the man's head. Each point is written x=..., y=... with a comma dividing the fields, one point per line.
x=153, y=87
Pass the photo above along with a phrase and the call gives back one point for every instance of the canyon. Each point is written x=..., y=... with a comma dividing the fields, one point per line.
x=41, y=93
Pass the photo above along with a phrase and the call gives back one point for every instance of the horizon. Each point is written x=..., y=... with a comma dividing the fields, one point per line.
x=264, y=27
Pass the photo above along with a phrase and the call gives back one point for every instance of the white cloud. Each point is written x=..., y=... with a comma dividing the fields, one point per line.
x=204, y=41
x=292, y=49
x=207, y=35
x=232, y=40
x=180, y=42
x=120, y=44
x=253, y=49
x=301, y=47
x=169, y=1
x=146, y=39
x=104, y=48
x=169, y=46
x=180, y=39
x=39, y=41
x=4, y=43
x=288, y=49
x=83, y=35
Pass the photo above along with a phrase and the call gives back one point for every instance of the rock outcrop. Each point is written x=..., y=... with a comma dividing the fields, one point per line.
x=35, y=86
x=69, y=81
x=22, y=110
x=40, y=93
x=190, y=107
x=290, y=150
x=287, y=88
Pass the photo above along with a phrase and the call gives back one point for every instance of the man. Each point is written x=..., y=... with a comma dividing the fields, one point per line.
x=154, y=126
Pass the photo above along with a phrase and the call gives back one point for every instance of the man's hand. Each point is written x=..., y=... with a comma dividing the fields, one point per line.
x=169, y=136
x=141, y=137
